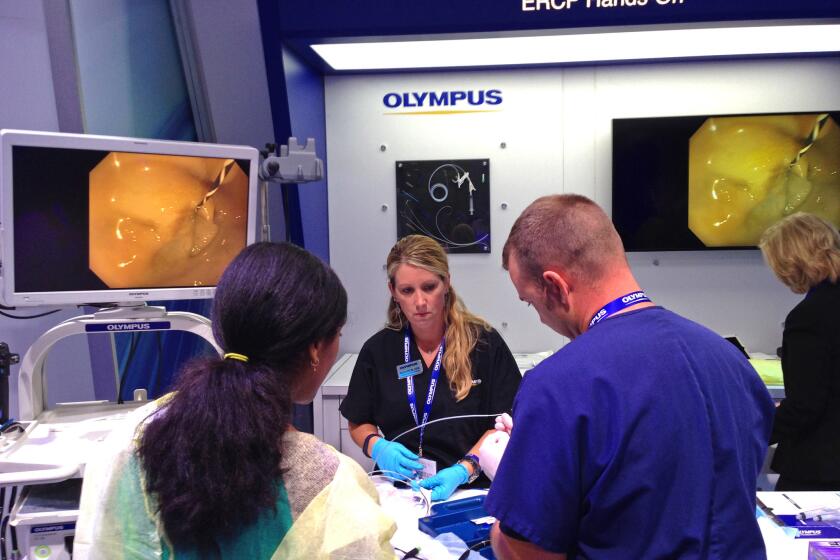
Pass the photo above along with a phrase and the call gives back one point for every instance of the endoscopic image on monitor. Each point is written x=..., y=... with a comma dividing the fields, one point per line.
x=717, y=182
x=94, y=220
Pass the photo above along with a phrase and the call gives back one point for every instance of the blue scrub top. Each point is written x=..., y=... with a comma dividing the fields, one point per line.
x=642, y=438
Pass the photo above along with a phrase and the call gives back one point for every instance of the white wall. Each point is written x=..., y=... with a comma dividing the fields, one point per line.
x=25, y=67
x=231, y=63
x=27, y=101
x=556, y=124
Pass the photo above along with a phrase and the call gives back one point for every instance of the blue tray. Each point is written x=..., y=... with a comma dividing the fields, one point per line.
x=456, y=517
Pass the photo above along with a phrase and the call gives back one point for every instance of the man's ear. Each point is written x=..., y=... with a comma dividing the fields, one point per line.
x=557, y=288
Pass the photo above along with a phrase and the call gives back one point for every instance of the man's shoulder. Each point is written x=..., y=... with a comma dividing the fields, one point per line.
x=574, y=359
x=610, y=347
x=655, y=325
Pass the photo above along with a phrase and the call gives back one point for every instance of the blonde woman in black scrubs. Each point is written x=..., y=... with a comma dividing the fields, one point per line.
x=429, y=335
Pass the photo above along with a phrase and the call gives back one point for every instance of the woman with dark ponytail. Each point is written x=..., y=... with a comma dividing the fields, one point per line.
x=215, y=469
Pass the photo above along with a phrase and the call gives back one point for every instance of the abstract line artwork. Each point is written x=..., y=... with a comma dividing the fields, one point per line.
x=447, y=200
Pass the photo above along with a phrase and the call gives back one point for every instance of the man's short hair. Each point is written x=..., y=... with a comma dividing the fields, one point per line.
x=568, y=231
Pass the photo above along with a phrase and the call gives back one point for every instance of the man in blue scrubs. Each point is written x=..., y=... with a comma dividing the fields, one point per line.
x=643, y=437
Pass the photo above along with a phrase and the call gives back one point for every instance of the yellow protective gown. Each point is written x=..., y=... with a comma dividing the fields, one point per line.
x=117, y=519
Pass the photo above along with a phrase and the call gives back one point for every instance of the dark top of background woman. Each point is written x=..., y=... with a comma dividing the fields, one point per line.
x=803, y=251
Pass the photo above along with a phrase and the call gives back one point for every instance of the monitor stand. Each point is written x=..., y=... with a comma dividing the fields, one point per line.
x=55, y=442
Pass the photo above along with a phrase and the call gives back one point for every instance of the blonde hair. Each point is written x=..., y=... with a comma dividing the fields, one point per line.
x=462, y=327
x=802, y=250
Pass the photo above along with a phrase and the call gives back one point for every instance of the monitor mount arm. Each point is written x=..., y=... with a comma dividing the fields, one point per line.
x=290, y=164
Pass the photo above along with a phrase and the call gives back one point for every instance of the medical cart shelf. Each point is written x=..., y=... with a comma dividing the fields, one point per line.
x=56, y=443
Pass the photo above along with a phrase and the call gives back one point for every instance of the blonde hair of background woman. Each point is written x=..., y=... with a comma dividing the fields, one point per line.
x=802, y=250
x=462, y=327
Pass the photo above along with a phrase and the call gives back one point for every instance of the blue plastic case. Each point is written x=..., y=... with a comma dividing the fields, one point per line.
x=457, y=517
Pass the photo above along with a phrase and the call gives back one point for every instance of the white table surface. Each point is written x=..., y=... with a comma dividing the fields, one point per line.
x=406, y=511
x=400, y=503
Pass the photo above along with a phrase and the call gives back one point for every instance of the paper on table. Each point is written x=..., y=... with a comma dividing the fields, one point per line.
x=770, y=371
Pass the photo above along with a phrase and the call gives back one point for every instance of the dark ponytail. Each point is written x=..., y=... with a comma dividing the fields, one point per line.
x=211, y=456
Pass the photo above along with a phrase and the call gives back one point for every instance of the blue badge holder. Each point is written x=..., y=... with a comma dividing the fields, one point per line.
x=457, y=517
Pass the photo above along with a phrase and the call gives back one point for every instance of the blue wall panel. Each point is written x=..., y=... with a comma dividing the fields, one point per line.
x=305, y=91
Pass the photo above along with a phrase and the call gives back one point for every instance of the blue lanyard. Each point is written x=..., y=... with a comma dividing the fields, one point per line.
x=412, y=397
x=618, y=304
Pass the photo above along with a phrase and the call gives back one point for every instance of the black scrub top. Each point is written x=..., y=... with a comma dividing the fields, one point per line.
x=807, y=422
x=377, y=396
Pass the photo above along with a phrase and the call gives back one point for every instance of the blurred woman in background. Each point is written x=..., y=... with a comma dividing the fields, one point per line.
x=803, y=251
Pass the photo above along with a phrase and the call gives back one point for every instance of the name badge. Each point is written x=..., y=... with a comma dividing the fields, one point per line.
x=429, y=468
x=410, y=369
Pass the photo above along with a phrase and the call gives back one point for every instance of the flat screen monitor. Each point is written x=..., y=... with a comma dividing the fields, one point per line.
x=734, y=341
x=97, y=219
x=718, y=181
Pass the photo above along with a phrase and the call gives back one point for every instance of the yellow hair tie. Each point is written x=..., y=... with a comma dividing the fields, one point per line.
x=235, y=356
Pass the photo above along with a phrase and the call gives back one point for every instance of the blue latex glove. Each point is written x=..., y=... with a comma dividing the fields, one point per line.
x=446, y=481
x=395, y=457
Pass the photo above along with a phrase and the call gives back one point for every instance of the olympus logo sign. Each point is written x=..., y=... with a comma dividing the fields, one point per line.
x=810, y=532
x=52, y=528
x=129, y=327
x=463, y=100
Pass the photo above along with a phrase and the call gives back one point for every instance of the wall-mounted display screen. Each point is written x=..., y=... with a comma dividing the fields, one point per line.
x=447, y=200
x=98, y=219
x=718, y=181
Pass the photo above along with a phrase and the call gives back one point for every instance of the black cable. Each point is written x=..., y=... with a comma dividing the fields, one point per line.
x=4, y=526
x=4, y=523
x=7, y=358
x=100, y=306
x=10, y=316
x=476, y=546
x=12, y=498
x=410, y=554
x=2, y=510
